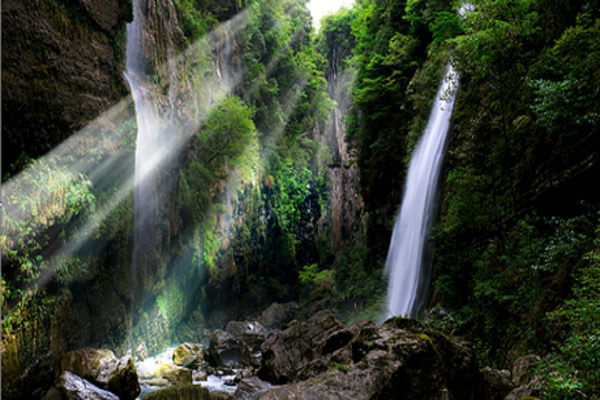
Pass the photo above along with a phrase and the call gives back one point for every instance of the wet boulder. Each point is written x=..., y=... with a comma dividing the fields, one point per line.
x=72, y=387
x=174, y=374
x=226, y=350
x=188, y=355
x=103, y=369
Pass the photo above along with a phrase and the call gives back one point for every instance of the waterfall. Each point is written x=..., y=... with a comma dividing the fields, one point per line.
x=147, y=157
x=409, y=257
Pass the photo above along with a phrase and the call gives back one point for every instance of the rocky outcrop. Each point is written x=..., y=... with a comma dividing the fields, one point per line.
x=225, y=350
x=61, y=68
x=103, y=369
x=72, y=387
x=250, y=388
x=529, y=390
x=399, y=359
x=305, y=349
x=278, y=314
x=346, y=207
x=522, y=370
x=497, y=384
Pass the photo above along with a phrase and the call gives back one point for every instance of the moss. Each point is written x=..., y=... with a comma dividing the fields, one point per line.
x=428, y=339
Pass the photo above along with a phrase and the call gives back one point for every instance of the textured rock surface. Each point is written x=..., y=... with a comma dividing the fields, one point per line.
x=103, y=369
x=187, y=392
x=497, y=384
x=251, y=388
x=175, y=375
x=398, y=359
x=299, y=347
x=522, y=370
x=532, y=388
x=188, y=355
x=278, y=314
x=226, y=350
x=61, y=68
x=72, y=387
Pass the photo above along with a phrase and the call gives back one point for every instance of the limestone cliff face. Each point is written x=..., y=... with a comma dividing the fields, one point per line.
x=345, y=211
x=62, y=64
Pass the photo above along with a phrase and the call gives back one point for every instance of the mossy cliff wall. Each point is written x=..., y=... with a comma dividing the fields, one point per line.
x=62, y=64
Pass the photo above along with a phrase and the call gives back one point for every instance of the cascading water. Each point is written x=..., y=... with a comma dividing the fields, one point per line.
x=147, y=156
x=408, y=262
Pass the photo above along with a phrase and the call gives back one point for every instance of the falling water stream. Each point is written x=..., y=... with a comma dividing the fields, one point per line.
x=409, y=258
x=145, y=202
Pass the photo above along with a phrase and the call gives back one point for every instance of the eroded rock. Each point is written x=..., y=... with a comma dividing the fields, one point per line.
x=103, y=369
x=226, y=351
x=174, y=374
x=497, y=384
x=188, y=355
x=522, y=370
x=251, y=388
x=399, y=359
x=72, y=387
x=277, y=315
x=300, y=346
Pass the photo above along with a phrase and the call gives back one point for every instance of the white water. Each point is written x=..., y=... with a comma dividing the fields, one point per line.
x=408, y=261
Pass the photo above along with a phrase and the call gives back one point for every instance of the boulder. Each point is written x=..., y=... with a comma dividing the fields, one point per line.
x=103, y=369
x=174, y=374
x=72, y=387
x=198, y=376
x=251, y=388
x=300, y=346
x=497, y=384
x=399, y=359
x=188, y=392
x=88, y=363
x=123, y=379
x=277, y=315
x=236, y=328
x=188, y=355
x=531, y=389
x=225, y=350
x=522, y=370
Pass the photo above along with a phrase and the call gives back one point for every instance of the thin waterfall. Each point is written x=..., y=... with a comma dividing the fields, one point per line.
x=409, y=258
x=146, y=156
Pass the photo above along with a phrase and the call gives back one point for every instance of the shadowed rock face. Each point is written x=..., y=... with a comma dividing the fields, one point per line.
x=399, y=359
x=61, y=68
x=103, y=369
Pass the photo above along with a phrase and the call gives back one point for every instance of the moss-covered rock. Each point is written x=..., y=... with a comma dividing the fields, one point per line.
x=188, y=355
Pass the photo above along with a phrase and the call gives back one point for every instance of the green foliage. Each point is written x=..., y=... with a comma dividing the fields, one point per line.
x=576, y=326
x=194, y=21
x=321, y=285
x=44, y=196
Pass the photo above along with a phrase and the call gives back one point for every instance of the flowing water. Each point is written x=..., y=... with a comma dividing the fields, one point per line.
x=409, y=258
x=146, y=116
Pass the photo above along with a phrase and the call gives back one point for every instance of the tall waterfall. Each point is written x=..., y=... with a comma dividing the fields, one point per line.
x=147, y=156
x=409, y=258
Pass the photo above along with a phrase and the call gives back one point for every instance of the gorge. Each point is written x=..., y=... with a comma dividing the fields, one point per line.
x=176, y=171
